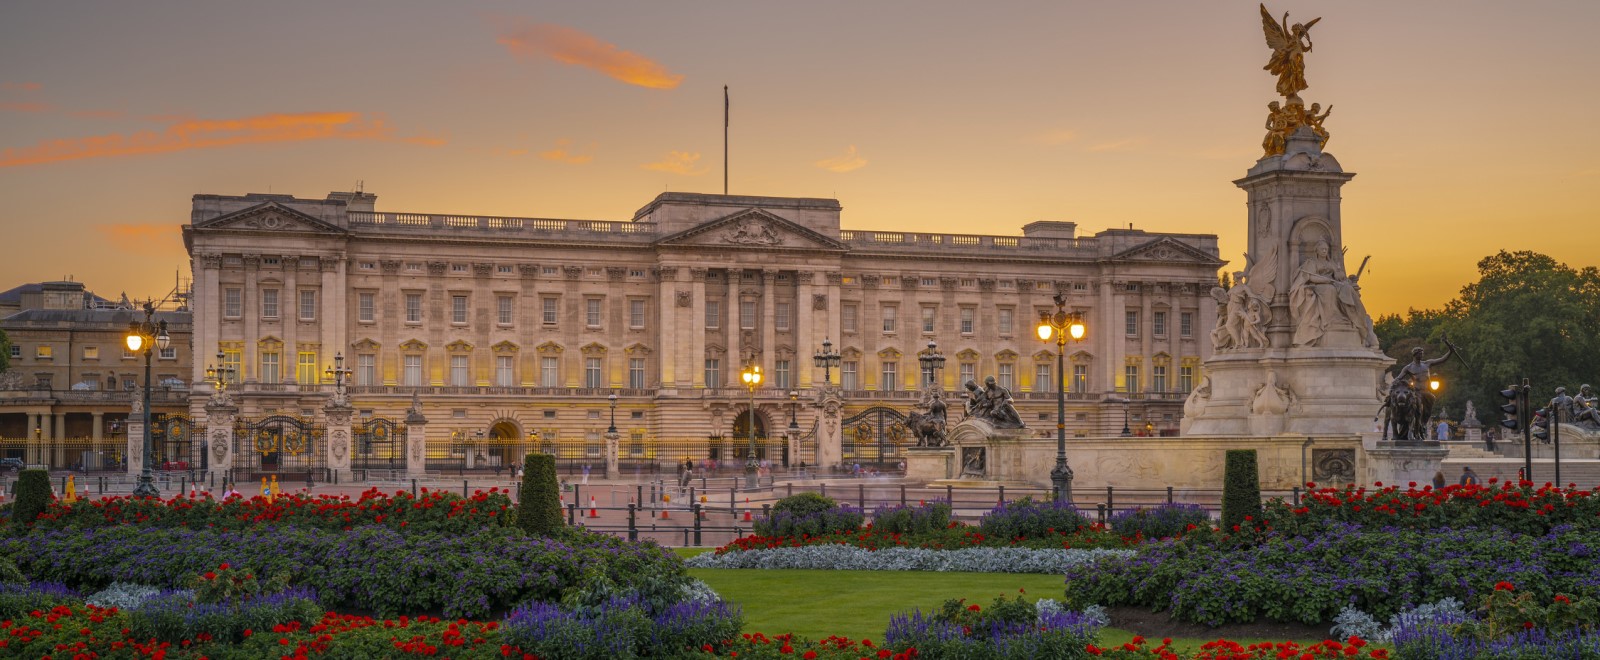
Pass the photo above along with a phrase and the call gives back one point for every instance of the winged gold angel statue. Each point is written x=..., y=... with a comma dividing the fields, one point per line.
x=1289, y=46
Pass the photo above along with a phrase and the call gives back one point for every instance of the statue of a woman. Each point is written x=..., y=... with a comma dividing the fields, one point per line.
x=1322, y=296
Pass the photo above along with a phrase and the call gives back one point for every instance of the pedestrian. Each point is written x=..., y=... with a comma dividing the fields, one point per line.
x=1522, y=475
x=585, y=474
x=1443, y=429
x=1468, y=477
x=1438, y=480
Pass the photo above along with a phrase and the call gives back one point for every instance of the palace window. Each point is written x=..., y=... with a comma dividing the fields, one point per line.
x=591, y=307
x=1130, y=323
x=549, y=311
x=308, y=305
x=713, y=373
x=968, y=371
x=413, y=371
x=1080, y=377
x=847, y=375
x=1007, y=378
x=458, y=309
x=636, y=313
x=232, y=302
x=1006, y=314
x=505, y=310
x=1042, y=378
x=460, y=371
x=968, y=316
x=1130, y=377
x=780, y=319
x=1158, y=324
x=365, y=307
x=891, y=377
x=593, y=377
x=549, y=372
x=780, y=373
x=1186, y=324
x=747, y=315
x=1158, y=378
x=930, y=316
x=233, y=361
x=306, y=371
x=413, y=308
x=269, y=367
x=889, y=314
x=713, y=314
x=847, y=317
x=1185, y=378
x=269, y=303
x=636, y=373
x=505, y=371
x=366, y=369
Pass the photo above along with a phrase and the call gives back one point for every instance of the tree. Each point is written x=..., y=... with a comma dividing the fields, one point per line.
x=1527, y=316
x=540, y=509
x=1241, y=488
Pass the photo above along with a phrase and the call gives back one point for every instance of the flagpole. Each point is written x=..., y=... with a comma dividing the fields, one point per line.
x=724, y=139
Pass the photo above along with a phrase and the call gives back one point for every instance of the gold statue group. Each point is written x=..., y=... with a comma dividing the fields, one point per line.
x=1289, y=44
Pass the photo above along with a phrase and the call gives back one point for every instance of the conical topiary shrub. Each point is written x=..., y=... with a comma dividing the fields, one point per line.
x=540, y=509
x=33, y=496
x=1241, y=488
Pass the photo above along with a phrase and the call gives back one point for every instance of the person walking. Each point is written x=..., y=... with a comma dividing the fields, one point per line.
x=1438, y=480
x=1468, y=477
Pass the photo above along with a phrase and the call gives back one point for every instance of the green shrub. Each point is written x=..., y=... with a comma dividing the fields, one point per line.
x=540, y=510
x=1029, y=519
x=10, y=574
x=1241, y=488
x=804, y=504
x=33, y=496
x=912, y=520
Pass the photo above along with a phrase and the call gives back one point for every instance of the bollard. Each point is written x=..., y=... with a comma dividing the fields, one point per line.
x=572, y=514
x=766, y=511
x=950, y=496
x=733, y=496
x=686, y=536
x=1169, y=494
x=64, y=487
x=1002, y=494
x=824, y=489
x=1296, y=490
x=577, y=493
x=183, y=485
x=1109, y=500
x=789, y=490
x=902, y=494
x=413, y=489
x=1101, y=509
x=696, y=507
x=861, y=496
x=463, y=488
x=335, y=477
x=633, y=528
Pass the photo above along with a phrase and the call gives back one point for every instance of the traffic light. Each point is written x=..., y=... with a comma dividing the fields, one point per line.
x=1512, y=408
x=1541, y=424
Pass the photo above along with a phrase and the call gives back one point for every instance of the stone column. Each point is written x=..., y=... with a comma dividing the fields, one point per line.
x=250, y=308
x=697, y=329
x=219, y=434
x=136, y=434
x=793, y=438
x=734, y=302
x=830, y=433
x=98, y=426
x=416, y=440
x=669, y=352
x=803, y=319
x=339, y=437
x=60, y=438
x=289, y=317
x=611, y=454
x=332, y=312
x=769, y=333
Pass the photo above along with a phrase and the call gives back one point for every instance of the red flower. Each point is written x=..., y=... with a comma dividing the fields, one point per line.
x=1504, y=586
x=1527, y=625
x=223, y=567
x=210, y=576
x=974, y=607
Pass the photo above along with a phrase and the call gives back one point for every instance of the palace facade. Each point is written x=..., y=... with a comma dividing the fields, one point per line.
x=510, y=332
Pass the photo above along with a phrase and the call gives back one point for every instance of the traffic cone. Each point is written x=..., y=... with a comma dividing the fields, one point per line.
x=747, y=509
x=593, y=513
x=666, y=500
x=193, y=491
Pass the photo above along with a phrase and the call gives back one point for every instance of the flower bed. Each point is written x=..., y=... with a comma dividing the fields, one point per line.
x=428, y=513
x=843, y=557
x=373, y=568
x=1309, y=579
x=1519, y=508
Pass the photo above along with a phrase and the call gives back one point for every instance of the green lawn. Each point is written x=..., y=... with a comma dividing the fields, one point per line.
x=858, y=604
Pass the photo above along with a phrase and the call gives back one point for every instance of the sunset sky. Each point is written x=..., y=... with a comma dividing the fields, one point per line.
x=1470, y=123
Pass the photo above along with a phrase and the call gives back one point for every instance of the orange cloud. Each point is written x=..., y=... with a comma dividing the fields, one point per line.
x=679, y=162
x=571, y=46
x=185, y=134
x=25, y=106
x=1056, y=136
x=96, y=114
x=21, y=87
x=561, y=154
x=1119, y=145
x=848, y=162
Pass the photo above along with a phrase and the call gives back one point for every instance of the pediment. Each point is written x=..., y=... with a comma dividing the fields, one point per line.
x=1167, y=250
x=273, y=217
x=366, y=345
x=752, y=229
x=505, y=347
x=458, y=346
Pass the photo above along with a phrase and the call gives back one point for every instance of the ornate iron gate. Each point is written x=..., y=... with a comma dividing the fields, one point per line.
x=875, y=434
x=177, y=444
x=279, y=444
x=380, y=445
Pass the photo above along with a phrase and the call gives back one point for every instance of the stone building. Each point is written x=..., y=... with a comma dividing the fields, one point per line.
x=514, y=331
x=72, y=379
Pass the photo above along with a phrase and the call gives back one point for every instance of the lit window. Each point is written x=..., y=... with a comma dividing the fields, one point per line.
x=45, y=352
x=1130, y=374
x=91, y=352
x=1080, y=377
x=306, y=371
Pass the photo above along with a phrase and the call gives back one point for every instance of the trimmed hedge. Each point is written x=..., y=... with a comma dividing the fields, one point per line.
x=540, y=510
x=33, y=496
x=1241, y=488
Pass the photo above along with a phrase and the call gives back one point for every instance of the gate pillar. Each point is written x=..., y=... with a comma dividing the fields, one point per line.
x=219, y=438
x=135, y=435
x=338, y=458
x=612, y=451
x=830, y=429
x=416, y=440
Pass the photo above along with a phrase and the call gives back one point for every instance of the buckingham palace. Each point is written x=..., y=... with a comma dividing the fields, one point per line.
x=515, y=333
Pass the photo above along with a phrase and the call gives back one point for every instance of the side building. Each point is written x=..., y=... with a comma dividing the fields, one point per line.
x=65, y=400
x=513, y=333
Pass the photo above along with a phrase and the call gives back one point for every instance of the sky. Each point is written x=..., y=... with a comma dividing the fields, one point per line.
x=1469, y=123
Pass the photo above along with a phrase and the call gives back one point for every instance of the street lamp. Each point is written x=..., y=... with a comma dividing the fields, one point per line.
x=1433, y=384
x=827, y=359
x=751, y=376
x=1126, y=432
x=613, y=400
x=794, y=407
x=1061, y=326
x=146, y=336
x=932, y=360
x=338, y=372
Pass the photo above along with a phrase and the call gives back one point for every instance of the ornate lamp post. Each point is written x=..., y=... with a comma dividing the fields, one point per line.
x=751, y=375
x=827, y=358
x=219, y=376
x=338, y=372
x=147, y=335
x=613, y=400
x=1126, y=432
x=932, y=361
x=794, y=406
x=1061, y=326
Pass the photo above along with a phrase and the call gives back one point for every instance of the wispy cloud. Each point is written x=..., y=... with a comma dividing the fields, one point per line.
x=562, y=152
x=21, y=87
x=1127, y=144
x=186, y=134
x=576, y=47
x=679, y=162
x=848, y=162
x=25, y=106
x=1055, y=136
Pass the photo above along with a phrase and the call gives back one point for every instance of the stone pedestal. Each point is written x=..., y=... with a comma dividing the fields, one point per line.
x=612, y=440
x=339, y=438
x=219, y=434
x=135, y=445
x=830, y=434
x=984, y=452
x=416, y=441
x=924, y=464
x=1393, y=463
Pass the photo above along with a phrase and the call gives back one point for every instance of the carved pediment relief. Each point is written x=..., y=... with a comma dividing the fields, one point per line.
x=1007, y=355
x=270, y=342
x=637, y=349
x=365, y=345
x=1167, y=250
x=968, y=355
x=889, y=354
x=717, y=350
x=270, y=216
x=850, y=353
x=1043, y=356
x=505, y=347
x=413, y=346
x=549, y=348
x=752, y=228
x=1080, y=357
x=594, y=348
x=458, y=346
